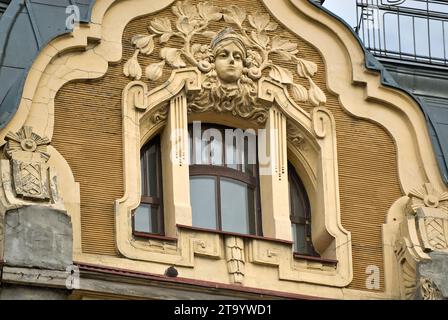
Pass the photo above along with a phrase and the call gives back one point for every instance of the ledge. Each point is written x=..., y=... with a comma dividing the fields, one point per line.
x=185, y=284
x=315, y=259
x=35, y=276
x=242, y=235
x=153, y=236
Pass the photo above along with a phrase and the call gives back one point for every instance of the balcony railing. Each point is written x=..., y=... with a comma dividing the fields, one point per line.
x=409, y=30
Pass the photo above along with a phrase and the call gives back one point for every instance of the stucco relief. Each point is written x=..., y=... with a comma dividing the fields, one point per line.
x=429, y=290
x=236, y=58
x=27, y=152
x=28, y=177
x=430, y=208
x=424, y=229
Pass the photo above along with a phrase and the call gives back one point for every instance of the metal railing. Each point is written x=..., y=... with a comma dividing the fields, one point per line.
x=410, y=30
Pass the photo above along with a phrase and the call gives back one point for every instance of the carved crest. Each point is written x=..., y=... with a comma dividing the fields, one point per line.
x=28, y=154
x=431, y=209
x=233, y=61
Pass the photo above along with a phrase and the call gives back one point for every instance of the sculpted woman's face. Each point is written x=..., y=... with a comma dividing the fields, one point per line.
x=229, y=63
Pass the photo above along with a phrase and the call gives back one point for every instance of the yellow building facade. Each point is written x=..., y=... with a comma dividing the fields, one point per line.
x=294, y=75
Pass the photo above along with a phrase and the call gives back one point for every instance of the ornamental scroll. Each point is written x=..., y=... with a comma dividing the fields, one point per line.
x=231, y=64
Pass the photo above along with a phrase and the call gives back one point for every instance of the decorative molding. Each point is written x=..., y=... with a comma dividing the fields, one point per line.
x=407, y=264
x=235, y=258
x=159, y=115
x=321, y=119
x=279, y=128
x=179, y=133
x=156, y=246
x=295, y=136
x=207, y=246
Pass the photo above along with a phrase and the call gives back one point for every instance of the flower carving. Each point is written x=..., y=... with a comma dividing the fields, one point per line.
x=234, y=60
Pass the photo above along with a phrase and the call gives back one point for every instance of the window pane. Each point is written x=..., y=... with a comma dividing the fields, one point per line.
x=231, y=154
x=297, y=198
x=235, y=206
x=146, y=219
x=143, y=174
x=149, y=166
x=299, y=236
x=203, y=201
x=212, y=147
x=152, y=168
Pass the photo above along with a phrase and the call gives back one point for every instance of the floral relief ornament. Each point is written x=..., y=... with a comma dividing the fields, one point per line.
x=236, y=57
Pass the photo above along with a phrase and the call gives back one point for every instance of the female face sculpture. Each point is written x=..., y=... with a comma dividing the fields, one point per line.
x=229, y=54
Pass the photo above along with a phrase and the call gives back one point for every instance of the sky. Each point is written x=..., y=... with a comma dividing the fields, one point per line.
x=346, y=9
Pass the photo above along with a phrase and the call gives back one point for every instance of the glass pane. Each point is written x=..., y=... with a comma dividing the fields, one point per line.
x=231, y=152
x=212, y=147
x=250, y=158
x=299, y=238
x=203, y=201
x=235, y=206
x=143, y=174
x=296, y=201
x=152, y=168
x=146, y=219
x=190, y=144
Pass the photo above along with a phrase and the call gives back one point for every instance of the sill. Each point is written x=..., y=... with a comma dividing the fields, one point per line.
x=152, y=236
x=242, y=235
x=315, y=259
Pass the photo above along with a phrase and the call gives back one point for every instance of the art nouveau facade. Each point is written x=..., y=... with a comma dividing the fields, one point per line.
x=102, y=172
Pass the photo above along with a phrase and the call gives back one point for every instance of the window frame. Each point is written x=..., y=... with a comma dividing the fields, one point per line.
x=296, y=220
x=146, y=199
x=223, y=171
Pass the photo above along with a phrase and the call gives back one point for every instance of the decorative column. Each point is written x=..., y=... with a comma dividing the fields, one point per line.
x=176, y=198
x=273, y=163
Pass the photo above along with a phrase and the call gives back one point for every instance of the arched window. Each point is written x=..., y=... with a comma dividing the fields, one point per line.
x=300, y=214
x=148, y=217
x=224, y=179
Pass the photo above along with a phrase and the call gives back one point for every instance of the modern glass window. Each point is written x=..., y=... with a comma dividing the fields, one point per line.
x=224, y=179
x=300, y=214
x=148, y=217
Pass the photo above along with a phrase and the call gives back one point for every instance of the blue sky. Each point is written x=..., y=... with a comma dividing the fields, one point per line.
x=346, y=9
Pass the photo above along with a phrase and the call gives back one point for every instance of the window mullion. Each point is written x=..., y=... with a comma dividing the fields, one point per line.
x=218, y=203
